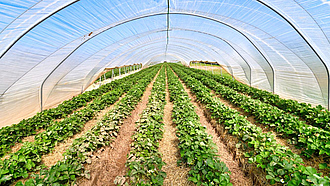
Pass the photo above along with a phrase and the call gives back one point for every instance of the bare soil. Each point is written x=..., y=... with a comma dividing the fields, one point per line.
x=175, y=175
x=110, y=161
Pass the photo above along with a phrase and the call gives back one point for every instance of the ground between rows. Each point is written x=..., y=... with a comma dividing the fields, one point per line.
x=109, y=162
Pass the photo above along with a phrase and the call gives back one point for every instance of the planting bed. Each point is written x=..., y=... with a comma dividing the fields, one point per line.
x=170, y=125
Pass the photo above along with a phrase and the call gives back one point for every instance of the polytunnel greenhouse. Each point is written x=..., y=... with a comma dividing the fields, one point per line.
x=164, y=92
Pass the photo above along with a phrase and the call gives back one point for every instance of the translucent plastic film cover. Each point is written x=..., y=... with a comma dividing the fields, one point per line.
x=52, y=50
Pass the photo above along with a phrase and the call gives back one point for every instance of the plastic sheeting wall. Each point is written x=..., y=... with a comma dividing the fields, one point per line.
x=51, y=50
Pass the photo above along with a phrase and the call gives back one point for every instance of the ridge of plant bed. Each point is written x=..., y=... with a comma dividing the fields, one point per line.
x=317, y=116
x=314, y=140
x=14, y=133
x=196, y=147
x=281, y=165
x=66, y=171
x=28, y=158
x=144, y=160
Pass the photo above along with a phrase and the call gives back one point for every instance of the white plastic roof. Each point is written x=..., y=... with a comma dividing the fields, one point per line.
x=53, y=49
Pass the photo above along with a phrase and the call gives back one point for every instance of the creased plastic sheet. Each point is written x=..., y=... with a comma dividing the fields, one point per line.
x=54, y=49
x=21, y=23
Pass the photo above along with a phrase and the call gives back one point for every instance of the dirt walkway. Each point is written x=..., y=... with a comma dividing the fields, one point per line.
x=111, y=160
x=56, y=155
x=175, y=175
x=237, y=176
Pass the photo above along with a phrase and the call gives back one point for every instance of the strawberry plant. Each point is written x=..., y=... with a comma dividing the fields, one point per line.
x=67, y=170
x=317, y=116
x=59, y=131
x=144, y=162
x=14, y=133
x=280, y=164
x=314, y=140
x=196, y=146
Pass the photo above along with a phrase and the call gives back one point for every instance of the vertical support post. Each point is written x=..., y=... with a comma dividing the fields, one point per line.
x=104, y=77
x=250, y=78
x=100, y=81
x=113, y=74
x=212, y=67
x=41, y=98
x=119, y=71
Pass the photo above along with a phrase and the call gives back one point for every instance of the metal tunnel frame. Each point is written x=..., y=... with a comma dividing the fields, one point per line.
x=307, y=42
x=212, y=19
x=162, y=30
x=190, y=14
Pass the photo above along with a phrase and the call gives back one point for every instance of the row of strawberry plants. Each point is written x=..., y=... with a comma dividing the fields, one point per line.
x=28, y=158
x=66, y=171
x=145, y=161
x=14, y=133
x=280, y=164
x=314, y=140
x=196, y=147
x=79, y=153
x=317, y=116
